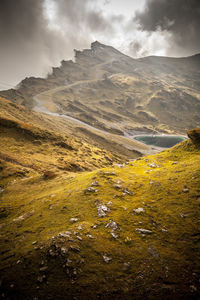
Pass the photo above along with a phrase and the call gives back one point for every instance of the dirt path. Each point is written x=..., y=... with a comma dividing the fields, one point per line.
x=45, y=104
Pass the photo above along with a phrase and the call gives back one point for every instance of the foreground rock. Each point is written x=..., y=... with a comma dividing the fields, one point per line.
x=194, y=135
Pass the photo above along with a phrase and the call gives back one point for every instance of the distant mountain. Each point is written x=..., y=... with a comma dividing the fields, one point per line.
x=83, y=214
x=110, y=90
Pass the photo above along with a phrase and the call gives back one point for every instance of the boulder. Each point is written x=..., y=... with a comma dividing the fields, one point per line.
x=194, y=135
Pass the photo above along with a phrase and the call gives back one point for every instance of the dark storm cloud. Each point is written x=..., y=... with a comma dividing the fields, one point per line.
x=179, y=18
x=26, y=41
x=30, y=46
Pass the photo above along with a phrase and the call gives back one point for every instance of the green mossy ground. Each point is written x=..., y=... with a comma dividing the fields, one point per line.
x=163, y=264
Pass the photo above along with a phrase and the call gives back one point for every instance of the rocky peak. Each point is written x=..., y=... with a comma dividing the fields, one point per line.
x=97, y=44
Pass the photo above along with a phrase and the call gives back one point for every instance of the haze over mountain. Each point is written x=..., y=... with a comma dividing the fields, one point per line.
x=86, y=210
x=117, y=93
x=37, y=34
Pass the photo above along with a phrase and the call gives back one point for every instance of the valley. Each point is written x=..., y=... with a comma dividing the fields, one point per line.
x=96, y=200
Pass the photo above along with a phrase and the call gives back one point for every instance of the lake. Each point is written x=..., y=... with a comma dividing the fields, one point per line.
x=163, y=141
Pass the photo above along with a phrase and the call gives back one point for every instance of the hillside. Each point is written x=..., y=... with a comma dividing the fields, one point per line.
x=86, y=210
x=119, y=94
x=123, y=232
x=34, y=143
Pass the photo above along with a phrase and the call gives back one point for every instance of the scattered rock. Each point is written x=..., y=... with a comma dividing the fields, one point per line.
x=73, y=220
x=117, y=186
x=79, y=227
x=63, y=250
x=193, y=288
x=119, y=165
x=24, y=216
x=74, y=249
x=95, y=183
x=102, y=209
x=153, y=165
x=185, y=190
x=66, y=234
x=41, y=278
x=183, y=215
x=79, y=238
x=119, y=181
x=52, y=253
x=90, y=236
x=144, y=231
x=112, y=224
x=114, y=235
x=109, y=173
x=91, y=190
x=139, y=210
x=106, y=258
x=1, y=190
x=127, y=191
x=35, y=242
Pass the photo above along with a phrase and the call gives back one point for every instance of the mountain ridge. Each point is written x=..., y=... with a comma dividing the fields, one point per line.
x=134, y=90
x=86, y=212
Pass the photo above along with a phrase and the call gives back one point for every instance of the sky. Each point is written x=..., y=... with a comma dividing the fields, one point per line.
x=37, y=34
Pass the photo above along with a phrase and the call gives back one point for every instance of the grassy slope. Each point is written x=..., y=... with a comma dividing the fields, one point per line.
x=52, y=144
x=112, y=91
x=163, y=264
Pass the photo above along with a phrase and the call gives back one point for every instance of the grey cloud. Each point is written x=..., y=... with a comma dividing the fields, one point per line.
x=29, y=46
x=181, y=19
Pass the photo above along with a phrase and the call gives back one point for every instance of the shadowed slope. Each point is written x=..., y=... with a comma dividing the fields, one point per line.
x=126, y=232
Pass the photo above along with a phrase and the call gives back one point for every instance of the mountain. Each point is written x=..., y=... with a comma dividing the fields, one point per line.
x=123, y=232
x=114, y=92
x=87, y=211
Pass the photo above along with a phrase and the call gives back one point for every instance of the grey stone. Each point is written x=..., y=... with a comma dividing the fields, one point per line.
x=153, y=165
x=117, y=186
x=106, y=258
x=144, y=231
x=112, y=224
x=73, y=220
x=74, y=249
x=95, y=183
x=102, y=210
x=127, y=191
x=139, y=210
x=90, y=236
x=91, y=189
x=63, y=250
x=114, y=235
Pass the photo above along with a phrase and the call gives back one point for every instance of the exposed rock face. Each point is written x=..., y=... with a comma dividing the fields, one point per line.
x=194, y=135
x=126, y=90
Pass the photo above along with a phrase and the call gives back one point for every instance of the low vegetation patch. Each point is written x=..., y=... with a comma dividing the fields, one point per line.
x=129, y=231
